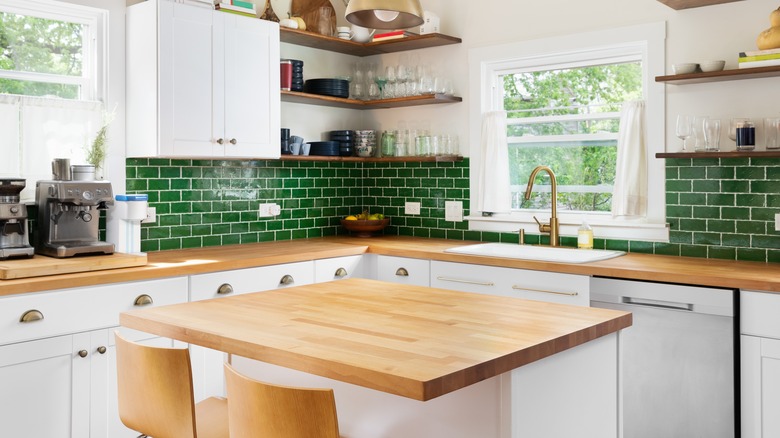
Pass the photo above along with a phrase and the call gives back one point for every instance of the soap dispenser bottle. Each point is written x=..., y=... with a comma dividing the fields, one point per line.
x=585, y=236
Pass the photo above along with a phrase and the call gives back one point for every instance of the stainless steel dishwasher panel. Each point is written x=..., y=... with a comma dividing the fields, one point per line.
x=678, y=358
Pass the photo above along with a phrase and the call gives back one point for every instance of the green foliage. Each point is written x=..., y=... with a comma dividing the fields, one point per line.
x=96, y=153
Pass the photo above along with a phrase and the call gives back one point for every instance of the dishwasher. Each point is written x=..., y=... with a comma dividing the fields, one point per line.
x=680, y=371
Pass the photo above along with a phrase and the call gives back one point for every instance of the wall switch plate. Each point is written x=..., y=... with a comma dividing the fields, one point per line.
x=777, y=222
x=453, y=211
x=151, y=215
x=269, y=210
x=412, y=208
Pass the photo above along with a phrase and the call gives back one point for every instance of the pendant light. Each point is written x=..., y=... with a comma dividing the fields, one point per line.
x=385, y=14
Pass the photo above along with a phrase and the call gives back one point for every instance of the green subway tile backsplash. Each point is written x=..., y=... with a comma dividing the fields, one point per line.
x=716, y=208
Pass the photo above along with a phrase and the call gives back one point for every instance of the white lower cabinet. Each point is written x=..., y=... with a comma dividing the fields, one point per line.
x=403, y=270
x=760, y=360
x=339, y=268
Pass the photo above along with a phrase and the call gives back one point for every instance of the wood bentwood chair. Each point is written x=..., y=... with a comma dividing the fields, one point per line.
x=156, y=395
x=257, y=409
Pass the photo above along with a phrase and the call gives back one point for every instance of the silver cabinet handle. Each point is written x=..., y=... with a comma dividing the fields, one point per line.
x=220, y=141
x=287, y=280
x=225, y=289
x=143, y=300
x=101, y=350
x=402, y=272
x=657, y=303
x=31, y=316
x=83, y=353
x=340, y=273
x=458, y=280
x=568, y=294
x=233, y=141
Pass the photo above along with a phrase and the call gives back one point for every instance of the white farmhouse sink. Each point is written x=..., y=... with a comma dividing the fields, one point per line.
x=541, y=253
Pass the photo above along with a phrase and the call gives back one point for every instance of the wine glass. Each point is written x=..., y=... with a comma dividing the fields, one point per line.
x=390, y=75
x=683, y=130
x=381, y=81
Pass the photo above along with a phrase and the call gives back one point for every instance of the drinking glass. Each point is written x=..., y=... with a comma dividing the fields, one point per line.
x=389, y=88
x=402, y=75
x=697, y=129
x=712, y=135
x=683, y=129
x=381, y=81
x=771, y=128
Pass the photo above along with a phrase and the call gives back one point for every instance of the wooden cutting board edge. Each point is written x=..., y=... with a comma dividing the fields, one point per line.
x=39, y=265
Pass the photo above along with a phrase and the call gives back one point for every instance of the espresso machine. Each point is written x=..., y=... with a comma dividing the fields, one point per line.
x=69, y=213
x=14, y=236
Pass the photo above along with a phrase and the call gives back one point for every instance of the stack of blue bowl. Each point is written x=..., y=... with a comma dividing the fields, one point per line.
x=346, y=140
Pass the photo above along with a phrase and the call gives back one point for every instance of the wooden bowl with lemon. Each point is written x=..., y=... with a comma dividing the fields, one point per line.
x=364, y=224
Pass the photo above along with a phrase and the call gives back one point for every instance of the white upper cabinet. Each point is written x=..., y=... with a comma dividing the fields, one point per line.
x=201, y=83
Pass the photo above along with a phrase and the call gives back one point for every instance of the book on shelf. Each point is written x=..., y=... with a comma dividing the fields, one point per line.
x=747, y=53
x=758, y=57
x=243, y=4
x=396, y=34
x=761, y=63
x=225, y=5
x=235, y=10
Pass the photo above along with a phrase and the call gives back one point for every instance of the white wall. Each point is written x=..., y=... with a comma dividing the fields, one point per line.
x=694, y=35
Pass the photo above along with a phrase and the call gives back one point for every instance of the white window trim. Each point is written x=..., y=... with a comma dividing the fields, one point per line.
x=487, y=62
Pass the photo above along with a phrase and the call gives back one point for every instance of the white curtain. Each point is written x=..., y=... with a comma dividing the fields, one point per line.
x=629, y=198
x=493, y=179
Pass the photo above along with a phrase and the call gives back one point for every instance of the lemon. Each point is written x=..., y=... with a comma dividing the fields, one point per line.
x=350, y=218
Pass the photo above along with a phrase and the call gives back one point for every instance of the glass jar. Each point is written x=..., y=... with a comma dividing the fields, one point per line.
x=388, y=144
x=746, y=136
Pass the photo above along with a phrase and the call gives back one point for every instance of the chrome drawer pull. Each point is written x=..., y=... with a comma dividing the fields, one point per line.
x=287, y=280
x=225, y=289
x=341, y=273
x=233, y=141
x=143, y=300
x=568, y=294
x=458, y=280
x=31, y=316
x=402, y=272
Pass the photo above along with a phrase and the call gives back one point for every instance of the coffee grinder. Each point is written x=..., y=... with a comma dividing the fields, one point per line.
x=14, y=237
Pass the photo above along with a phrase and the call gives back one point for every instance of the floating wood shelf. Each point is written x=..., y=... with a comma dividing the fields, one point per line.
x=723, y=75
x=339, y=102
x=729, y=154
x=437, y=159
x=686, y=4
x=333, y=44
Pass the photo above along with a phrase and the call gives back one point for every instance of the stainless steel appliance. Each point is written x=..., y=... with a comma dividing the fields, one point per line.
x=14, y=236
x=680, y=370
x=68, y=216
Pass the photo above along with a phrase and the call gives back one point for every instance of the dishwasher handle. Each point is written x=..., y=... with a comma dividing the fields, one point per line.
x=657, y=304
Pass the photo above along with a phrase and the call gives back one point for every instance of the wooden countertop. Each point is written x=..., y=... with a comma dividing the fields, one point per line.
x=684, y=270
x=412, y=341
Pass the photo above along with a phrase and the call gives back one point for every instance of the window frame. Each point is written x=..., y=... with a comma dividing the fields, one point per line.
x=488, y=63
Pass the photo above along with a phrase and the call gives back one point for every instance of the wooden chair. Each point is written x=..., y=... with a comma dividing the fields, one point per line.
x=257, y=409
x=156, y=394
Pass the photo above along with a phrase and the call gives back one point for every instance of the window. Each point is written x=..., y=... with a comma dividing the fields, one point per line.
x=563, y=98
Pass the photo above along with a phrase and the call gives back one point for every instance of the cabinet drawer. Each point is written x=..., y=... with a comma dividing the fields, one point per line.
x=338, y=268
x=76, y=310
x=508, y=282
x=758, y=313
x=403, y=270
x=241, y=281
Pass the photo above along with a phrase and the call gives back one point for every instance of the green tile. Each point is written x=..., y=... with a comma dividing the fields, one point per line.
x=751, y=254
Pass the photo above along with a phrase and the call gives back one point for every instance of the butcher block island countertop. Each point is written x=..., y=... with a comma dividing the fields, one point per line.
x=412, y=341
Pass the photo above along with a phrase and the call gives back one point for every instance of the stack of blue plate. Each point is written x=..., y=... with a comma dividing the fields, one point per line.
x=297, y=75
x=326, y=148
x=327, y=87
x=346, y=140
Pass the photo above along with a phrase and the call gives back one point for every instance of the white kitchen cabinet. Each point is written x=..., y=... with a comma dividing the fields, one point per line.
x=403, y=270
x=760, y=360
x=338, y=268
x=201, y=83
x=509, y=282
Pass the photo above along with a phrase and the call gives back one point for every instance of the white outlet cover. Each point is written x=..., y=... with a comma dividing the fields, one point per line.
x=777, y=222
x=453, y=211
x=412, y=208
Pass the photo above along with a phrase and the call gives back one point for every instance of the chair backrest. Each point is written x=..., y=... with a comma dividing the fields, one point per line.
x=155, y=389
x=257, y=409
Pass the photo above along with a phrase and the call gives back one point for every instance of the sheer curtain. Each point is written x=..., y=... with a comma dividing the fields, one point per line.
x=493, y=181
x=629, y=199
x=35, y=130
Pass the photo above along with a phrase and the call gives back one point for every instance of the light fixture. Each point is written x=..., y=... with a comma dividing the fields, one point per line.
x=385, y=14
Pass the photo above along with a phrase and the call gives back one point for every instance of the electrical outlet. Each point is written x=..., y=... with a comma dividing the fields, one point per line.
x=269, y=210
x=151, y=215
x=777, y=222
x=453, y=211
x=412, y=208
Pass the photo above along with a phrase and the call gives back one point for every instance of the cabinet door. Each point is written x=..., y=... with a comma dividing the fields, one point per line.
x=45, y=388
x=338, y=268
x=760, y=387
x=403, y=270
x=250, y=76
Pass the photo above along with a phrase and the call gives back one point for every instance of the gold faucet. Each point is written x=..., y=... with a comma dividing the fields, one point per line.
x=553, y=226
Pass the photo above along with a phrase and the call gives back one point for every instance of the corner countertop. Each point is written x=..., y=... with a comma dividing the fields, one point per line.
x=161, y=264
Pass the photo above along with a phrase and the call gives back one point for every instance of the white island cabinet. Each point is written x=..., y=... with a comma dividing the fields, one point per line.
x=201, y=83
x=760, y=349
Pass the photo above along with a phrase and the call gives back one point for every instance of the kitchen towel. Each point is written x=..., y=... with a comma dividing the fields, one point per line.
x=629, y=198
x=493, y=182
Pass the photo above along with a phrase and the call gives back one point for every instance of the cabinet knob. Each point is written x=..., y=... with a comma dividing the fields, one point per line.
x=225, y=289
x=402, y=272
x=233, y=141
x=143, y=300
x=287, y=280
x=341, y=273
x=31, y=316
x=220, y=141
x=101, y=350
x=83, y=353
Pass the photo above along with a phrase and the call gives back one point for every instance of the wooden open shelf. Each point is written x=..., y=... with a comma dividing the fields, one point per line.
x=723, y=75
x=685, y=4
x=339, y=102
x=333, y=44
x=728, y=154
x=437, y=159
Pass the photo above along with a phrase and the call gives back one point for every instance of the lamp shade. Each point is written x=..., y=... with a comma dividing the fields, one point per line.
x=385, y=14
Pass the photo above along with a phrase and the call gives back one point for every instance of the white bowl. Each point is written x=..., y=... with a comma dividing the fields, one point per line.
x=712, y=66
x=684, y=69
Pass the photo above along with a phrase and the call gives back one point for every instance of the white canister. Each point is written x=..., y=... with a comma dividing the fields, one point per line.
x=82, y=172
x=123, y=227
